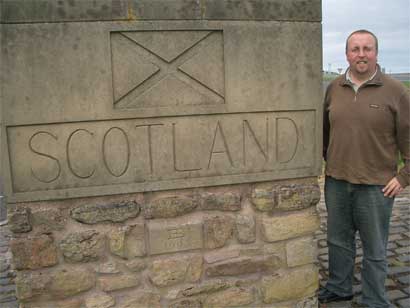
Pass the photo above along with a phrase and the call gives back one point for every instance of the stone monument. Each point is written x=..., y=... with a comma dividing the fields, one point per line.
x=162, y=153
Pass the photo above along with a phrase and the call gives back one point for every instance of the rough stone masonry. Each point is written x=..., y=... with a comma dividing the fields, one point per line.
x=161, y=153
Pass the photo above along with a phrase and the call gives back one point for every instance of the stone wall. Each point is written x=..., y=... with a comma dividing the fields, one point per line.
x=241, y=245
x=162, y=153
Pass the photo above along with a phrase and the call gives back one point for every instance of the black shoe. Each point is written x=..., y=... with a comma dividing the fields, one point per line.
x=325, y=296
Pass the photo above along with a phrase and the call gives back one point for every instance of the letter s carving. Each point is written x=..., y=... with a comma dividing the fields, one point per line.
x=48, y=156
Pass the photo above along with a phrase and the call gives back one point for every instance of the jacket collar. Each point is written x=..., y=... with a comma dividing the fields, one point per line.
x=376, y=80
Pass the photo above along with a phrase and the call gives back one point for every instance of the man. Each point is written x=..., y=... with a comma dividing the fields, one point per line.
x=366, y=124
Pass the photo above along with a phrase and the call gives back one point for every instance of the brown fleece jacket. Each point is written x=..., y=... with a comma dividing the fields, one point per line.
x=364, y=131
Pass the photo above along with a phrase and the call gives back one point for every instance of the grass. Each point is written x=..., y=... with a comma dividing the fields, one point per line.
x=407, y=83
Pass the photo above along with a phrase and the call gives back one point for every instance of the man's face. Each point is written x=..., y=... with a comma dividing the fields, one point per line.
x=361, y=54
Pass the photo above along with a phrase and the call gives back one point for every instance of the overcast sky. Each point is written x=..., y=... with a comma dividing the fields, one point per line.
x=388, y=19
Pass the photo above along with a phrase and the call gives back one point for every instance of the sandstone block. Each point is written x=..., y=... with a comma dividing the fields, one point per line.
x=118, y=282
x=228, y=201
x=107, y=268
x=301, y=251
x=128, y=242
x=167, y=236
x=48, y=220
x=171, y=271
x=83, y=246
x=142, y=299
x=34, y=252
x=217, y=256
x=59, y=284
x=244, y=265
x=229, y=298
x=136, y=265
x=100, y=300
x=290, y=284
x=208, y=286
x=169, y=207
x=296, y=196
x=262, y=199
x=114, y=212
x=245, y=229
x=282, y=227
x=68, y=282
x=19, y=220
x=218, y=230
x=186, y=303
x=69, y=303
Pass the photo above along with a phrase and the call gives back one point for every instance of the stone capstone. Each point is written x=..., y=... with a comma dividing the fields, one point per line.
x=245, y=229
x=118, y=282
x=232, y=297
x=100, y=300
x=244, y=265
x=290, y=284
x=228, y=201
x=128, y=242
x=142, y=299
x=83, y=246
x=34, y=252
x=19, y=220
x=113, y=212
x=289, y=225
x=218, y=230
x=171, y=271
x=169, y=207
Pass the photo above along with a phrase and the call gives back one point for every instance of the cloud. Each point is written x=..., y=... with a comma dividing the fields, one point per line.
x=389, y=20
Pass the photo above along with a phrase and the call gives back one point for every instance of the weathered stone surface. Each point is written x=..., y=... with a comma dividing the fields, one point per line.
x=216, y=256
x=301, y=251
x=245, y=229
x=34, y=252
x=290, y=284
x=30, y=285
x=276, y=249
x=227, y=201
x=244, y=265
x=282, y=227
x=100, y=300
x=296, y=196
x=136, y=265
x=166, y=9
x=171, y=271
x=232, y=297
x=58, y=11
x=208, y=286
x=168, y=207
x=262, y=199
x=142, y=299
x=19, y=220
x=218, y=230
x=83, y=246
x=118, y=282
x=107, y=268
x=167, y=236
x=60, y=283
x=186, y=303
x=69, y=303
x=128, y=242
x=68, y=282
x=114, y=212
x=48, y=220
x=263, y=10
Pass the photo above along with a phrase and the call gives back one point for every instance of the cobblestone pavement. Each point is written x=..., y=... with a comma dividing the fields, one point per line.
x=398, y=255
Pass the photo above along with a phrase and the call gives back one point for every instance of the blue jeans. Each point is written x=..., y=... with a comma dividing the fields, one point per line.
x=363, y=208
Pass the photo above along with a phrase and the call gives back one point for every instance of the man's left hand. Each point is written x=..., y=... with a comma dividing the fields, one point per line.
x=392, y=188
